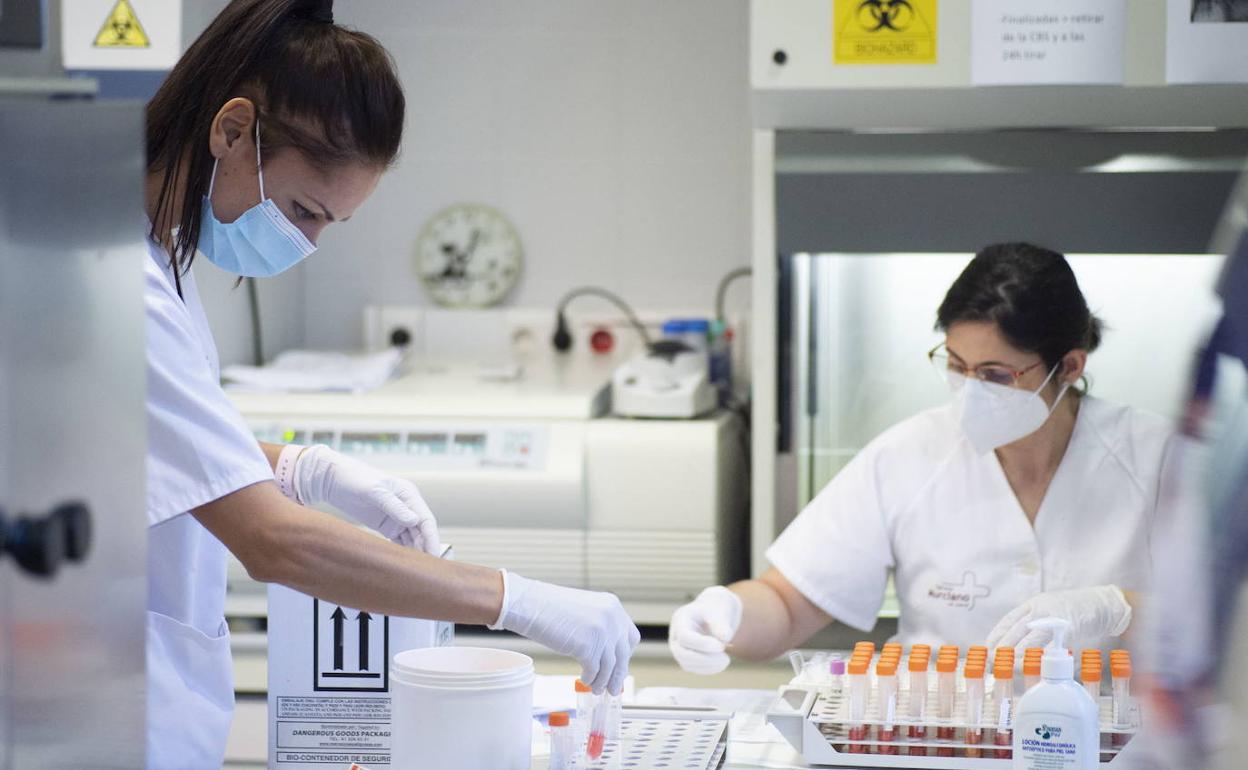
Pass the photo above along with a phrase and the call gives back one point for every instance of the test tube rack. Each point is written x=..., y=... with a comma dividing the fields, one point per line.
x=667, y=739
x=813, y=716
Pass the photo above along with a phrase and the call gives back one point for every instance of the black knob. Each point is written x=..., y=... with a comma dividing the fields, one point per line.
x=562, y=339
x=38, y=545
x=780, y=57
x=400, y=337
x=77, y=521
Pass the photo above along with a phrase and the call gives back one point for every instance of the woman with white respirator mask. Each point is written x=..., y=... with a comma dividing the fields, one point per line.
x=1024, y=497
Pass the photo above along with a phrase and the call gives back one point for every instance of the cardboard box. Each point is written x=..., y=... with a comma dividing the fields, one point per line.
x=329, y=679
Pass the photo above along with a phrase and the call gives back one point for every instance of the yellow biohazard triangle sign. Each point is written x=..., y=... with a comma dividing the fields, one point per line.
x=122, y=29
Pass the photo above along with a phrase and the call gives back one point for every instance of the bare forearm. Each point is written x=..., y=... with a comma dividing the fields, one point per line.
x=766, y=625
x=318, y=554
x=335, y=561
x=775, y=617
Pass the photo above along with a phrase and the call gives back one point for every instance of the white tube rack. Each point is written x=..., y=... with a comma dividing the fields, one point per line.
x=813, y=716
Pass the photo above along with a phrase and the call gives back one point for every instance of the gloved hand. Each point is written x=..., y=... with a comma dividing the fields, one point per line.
x=1093, y=613
x=587, y=625
x=700, y=631
x=390, y=505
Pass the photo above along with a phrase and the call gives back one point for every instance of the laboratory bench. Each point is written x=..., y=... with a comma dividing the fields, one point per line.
x=652, y=665
x=752, y=743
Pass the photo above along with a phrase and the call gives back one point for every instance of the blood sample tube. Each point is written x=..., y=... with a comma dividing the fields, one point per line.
x=946, y=687
x=1001, y=656
x=562, y=742
x=836, y=672
x=1031, y=668
x=1120, y=673
x=597, y=739
x=977, y=651
x=858, y=684
x=1003, y=705
x=974, y=675
x=917, y=706
x=584, y=710
x=886, y=687
x=916, y=709
x=1090, y=675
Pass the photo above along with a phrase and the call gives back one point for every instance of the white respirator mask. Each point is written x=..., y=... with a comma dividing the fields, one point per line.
x=993, y=415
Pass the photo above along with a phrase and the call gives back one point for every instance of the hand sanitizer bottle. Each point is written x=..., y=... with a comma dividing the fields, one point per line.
x=1056, y=723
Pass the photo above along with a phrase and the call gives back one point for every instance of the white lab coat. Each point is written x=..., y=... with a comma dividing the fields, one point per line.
x=199, y=449
x=919, y=502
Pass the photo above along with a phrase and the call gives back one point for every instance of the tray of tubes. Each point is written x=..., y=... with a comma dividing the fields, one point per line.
x=902, y=710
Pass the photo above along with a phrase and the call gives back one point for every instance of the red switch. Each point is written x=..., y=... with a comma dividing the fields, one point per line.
x=602, y=341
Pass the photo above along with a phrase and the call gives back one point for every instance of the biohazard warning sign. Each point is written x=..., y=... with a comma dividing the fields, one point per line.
x=122, y=29
x=884, y=31
x=121, y=34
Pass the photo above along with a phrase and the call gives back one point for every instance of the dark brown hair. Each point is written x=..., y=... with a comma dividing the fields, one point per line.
x=1032, y=296
x=327, y=91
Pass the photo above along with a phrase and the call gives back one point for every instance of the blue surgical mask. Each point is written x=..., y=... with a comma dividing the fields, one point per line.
x=260, y=243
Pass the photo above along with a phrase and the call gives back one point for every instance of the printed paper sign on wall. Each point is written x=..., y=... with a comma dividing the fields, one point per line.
x=121, y=34
x=884, y=31
x=1028, y=42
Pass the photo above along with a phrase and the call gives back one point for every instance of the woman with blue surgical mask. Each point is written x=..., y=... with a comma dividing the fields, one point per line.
x=276, y=123
x=1024, y=497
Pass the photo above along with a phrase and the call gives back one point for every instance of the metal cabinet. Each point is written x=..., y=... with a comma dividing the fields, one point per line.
x=72, y=430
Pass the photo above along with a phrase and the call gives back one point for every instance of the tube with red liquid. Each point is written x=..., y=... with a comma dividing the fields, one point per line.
x=886, y=683
x=916, y=710
x=1003, y=706
x=974, y=674
x=946, y=687
x=858, y=685
x=597, y=740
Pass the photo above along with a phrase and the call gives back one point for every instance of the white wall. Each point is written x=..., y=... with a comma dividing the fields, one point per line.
x=614, y=134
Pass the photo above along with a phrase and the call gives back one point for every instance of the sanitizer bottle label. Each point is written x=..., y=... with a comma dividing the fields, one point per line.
x=1045, y=744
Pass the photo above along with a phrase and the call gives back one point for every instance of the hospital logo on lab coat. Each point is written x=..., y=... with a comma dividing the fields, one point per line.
x=960, y=595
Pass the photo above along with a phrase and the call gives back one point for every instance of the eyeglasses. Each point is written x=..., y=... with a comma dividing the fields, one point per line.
x=997, y=374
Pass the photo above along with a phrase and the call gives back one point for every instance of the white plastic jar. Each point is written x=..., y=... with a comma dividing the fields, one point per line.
x=461, y=708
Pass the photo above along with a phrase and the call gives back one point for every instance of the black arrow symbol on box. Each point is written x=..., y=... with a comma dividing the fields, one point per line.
x=338, y=617
x=364, y=619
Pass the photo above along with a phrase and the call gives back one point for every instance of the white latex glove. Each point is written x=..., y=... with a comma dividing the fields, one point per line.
x=590, y=626
x=700, y=631
x=1093, y=613
x=390, y=505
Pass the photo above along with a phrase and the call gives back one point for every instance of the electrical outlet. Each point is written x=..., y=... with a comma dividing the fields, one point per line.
x=386, y=325
x=523, y=332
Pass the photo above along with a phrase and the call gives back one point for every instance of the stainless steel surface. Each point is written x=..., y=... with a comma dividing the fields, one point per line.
x=72, y=426
x=39, y=87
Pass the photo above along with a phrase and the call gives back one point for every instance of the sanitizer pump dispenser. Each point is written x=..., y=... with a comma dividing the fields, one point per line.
x=1056, y=724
